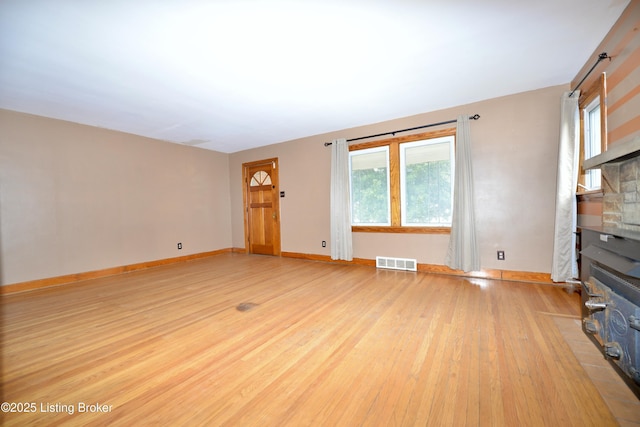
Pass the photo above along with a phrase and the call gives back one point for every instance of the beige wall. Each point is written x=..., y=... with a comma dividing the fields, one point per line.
x=515, y=146
x=77, y=198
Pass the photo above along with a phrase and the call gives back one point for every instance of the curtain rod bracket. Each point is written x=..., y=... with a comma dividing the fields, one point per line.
x=601, y=58
x=604, y=55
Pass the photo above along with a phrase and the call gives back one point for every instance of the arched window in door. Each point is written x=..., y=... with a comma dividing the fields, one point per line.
x=260, y=178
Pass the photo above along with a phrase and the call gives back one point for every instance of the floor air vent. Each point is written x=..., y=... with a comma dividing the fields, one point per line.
x=396, y=263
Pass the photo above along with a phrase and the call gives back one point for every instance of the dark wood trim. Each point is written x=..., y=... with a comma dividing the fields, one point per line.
x=112, y=271
x=403, y=139
x=394, y=182
x=399, y=229
x=443, y=269
x=586, y=196
x=527, y=276
x=327, y=258
x=514, y=276
x=597, y=89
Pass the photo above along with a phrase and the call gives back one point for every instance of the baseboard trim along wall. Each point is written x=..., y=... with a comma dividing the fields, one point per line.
x=78, y=277
x=516, y=276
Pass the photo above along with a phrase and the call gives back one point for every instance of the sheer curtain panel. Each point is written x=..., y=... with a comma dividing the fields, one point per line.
x=463, y=252
x=564, y=265
x=341, y=243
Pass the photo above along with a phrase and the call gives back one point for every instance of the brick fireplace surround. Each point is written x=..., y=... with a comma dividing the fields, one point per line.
x=621, y=201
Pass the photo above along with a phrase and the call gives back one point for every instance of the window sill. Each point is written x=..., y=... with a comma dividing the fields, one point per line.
x=408, y=230
x=586, y=194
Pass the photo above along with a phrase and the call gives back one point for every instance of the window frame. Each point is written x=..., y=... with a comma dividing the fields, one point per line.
x=597, y=90
x=403, y=147
x=365, y=151
x=394, y=183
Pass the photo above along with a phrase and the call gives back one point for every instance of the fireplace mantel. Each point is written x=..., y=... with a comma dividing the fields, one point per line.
x=615, y=153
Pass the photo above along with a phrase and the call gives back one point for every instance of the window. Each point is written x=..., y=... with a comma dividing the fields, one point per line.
x=592, y=144
x=369, y=177
x=593, y=132
x=260, y=178
x=403, y=184
x=592, y=141
x=426, y=171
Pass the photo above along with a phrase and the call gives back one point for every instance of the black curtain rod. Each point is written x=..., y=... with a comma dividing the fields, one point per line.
x=601, y=57
x=474, y=117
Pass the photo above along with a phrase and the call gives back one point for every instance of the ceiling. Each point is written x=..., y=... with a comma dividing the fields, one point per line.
x=229, y=75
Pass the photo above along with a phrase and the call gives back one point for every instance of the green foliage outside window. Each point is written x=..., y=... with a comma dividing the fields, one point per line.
x=428, y=193
x=403, y=184
x=369, y=196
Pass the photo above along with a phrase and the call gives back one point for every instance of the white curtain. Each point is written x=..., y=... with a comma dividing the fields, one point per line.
x=564, y=265
x=341, y=243
x=463, y=252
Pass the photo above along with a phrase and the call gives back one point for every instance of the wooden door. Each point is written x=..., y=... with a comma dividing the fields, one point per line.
x=262, y=208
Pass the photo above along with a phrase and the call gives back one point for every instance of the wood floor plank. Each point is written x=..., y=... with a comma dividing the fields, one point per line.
x=314, y=344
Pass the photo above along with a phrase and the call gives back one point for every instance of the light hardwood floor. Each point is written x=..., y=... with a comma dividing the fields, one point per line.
x=324, y=345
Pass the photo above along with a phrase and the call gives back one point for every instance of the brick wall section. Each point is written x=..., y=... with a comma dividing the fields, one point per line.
x=621, y=203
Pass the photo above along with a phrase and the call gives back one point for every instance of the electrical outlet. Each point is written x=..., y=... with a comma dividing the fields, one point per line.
x=324, y=243
x=501, y=255
x=179, y=245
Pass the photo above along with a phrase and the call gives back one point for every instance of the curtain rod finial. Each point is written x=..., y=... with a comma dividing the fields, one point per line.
x=475, y=117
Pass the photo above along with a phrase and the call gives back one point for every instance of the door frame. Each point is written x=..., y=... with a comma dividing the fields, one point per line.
x=275, y=180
